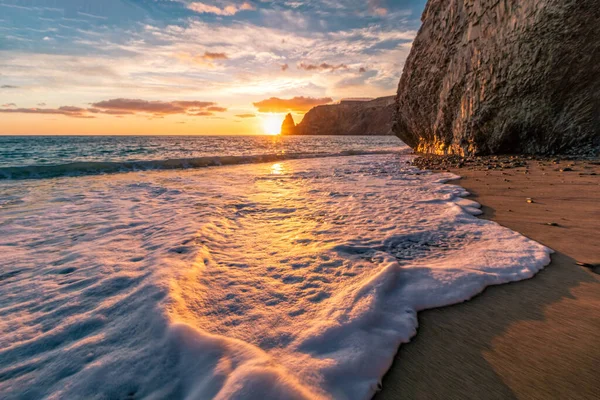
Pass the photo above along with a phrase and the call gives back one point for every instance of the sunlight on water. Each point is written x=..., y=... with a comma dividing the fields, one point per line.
x=277, y=169
x=296, y=279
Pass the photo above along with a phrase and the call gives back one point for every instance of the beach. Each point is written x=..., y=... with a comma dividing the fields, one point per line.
x=296, y=279
x=533, y=339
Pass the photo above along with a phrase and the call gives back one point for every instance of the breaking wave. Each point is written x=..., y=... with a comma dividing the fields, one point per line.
x=100, y=167
x=291, y=280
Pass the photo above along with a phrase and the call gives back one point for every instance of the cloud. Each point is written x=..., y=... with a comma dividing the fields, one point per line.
x=214, y=56
x=91, y=15
x=205, y=59
x=377, y=7
x=109, y=112
x=192, y=104
x=158, y=107
x=217, y=109
x=244, y=58
x=67, y=111
x=8, y=87
x=138, y=105
x=246, y=115
x=9, y=105
x=300, y=104
x=41, y=104
x=228, y=10
x=361, y=79
x=120, y=107
x=321, y=67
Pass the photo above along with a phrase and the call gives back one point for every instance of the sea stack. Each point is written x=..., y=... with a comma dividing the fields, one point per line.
x=512, y=76
x=288, y=126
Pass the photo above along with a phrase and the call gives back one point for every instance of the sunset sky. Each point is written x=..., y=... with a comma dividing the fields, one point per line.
x=192, y=67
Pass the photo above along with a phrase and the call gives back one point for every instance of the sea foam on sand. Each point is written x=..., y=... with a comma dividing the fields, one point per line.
x=294, y=280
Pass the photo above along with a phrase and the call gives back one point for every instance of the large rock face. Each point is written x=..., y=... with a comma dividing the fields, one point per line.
x=288, y=126
x=373, y=117
x=503, y=76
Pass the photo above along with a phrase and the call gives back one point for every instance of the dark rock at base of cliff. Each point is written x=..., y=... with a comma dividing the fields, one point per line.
x=499, y=162
x=374, y=117
x=510, y=76
x=288, y=126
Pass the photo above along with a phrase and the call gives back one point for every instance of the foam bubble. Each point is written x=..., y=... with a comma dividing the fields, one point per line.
x=236, y=282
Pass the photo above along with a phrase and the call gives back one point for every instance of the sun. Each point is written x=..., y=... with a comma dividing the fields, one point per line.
x=271, y=124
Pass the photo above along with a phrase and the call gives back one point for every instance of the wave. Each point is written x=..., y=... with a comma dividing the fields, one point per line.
x=82, y=168
x=220, y=285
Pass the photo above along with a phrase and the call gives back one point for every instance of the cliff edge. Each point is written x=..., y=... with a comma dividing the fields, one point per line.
x=509, y=76
x=350, y=117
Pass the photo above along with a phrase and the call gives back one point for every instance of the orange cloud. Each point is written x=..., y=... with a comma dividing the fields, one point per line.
x=120, y=107
x=214, y=56
x=300, y=104
x=204, y=59
x=157, y=107
x=201, y=114
x=217, y=109
x=74, y=112
x=246, y=115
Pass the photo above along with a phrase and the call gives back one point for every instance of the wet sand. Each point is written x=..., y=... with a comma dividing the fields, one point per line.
x=534, y=339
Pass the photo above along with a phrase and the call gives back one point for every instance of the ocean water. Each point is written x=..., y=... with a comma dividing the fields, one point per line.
x=26, y=157
x=289, y=279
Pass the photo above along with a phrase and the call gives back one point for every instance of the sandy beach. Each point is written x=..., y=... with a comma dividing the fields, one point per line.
x=534, y=339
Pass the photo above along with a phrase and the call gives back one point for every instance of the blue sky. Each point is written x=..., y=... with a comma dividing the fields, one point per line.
x=234, y=54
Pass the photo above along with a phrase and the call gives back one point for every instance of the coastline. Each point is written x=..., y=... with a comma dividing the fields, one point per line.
x=534, y=339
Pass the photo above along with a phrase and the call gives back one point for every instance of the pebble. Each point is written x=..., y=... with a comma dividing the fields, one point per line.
x=491, y=163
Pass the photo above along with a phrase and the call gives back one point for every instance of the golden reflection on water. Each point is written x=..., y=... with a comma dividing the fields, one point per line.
x=277, y=169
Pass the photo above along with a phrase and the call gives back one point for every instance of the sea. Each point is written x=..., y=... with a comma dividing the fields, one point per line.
x=200, y=267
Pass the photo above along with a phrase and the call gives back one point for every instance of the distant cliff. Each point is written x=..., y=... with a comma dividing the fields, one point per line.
x=510, y=76
x=358, y=117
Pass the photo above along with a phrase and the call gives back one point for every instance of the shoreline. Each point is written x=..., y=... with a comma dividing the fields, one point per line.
x=534, y=339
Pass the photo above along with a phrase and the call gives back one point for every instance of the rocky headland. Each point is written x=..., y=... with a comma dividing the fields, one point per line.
x=349, y=117
x=503, y=77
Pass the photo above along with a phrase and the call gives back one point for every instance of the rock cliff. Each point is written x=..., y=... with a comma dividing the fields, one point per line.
x=373, y=117
x=288, y=125
x=503, y=76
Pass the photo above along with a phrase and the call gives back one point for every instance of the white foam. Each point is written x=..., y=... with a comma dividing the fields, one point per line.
x=291, y=280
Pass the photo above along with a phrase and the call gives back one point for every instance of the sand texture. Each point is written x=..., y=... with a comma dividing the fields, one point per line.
x=535, y=339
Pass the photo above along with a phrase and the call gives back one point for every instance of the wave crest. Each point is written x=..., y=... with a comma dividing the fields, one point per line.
x=108, y=167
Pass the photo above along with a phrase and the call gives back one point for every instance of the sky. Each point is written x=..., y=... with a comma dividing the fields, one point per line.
x=193, y=67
